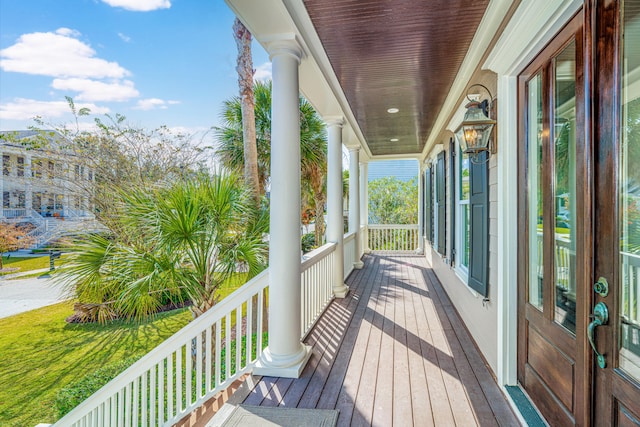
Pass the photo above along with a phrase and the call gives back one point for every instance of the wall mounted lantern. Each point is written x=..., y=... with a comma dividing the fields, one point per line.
x=475, y=132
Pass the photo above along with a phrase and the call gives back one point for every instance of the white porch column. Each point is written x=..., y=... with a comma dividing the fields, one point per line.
x=29, y=186
x=285, y=356
x=420, y=249
x=354, y=201
x=364, y=206
x=335, y=221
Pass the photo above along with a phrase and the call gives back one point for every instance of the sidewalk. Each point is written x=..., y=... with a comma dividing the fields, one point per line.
x=20, y=295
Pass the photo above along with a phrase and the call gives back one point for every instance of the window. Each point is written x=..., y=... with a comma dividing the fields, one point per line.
x=441, y=204
x=20, y=169
x=50, y=170
x=472, y=235
x=464, y=230
x=6, y=167
x=6, y=200
x=428, y=201
x=36, y=169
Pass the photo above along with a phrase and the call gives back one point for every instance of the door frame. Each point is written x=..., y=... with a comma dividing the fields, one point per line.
x=531, y=27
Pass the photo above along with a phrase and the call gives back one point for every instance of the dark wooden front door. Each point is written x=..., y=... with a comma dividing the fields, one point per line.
x=554, y=227
x=616, y=393
x=580, y=220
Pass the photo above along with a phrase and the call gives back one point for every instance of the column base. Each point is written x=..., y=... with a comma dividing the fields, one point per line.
x=340, y=291
x=367, y=251
x=358, y=265
x=278, y=366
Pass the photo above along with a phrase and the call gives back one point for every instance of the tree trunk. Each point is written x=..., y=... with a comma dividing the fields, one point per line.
x=244, y=67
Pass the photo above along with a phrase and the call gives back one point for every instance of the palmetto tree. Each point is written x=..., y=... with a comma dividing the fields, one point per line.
x=183, y=242
x=313, y=147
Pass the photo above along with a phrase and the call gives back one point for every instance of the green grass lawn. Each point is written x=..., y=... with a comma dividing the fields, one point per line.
x=24, y=263
x=40, y=354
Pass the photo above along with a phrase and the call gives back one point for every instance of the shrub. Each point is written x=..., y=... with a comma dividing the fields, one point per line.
x=308, y=242
x=71, y=396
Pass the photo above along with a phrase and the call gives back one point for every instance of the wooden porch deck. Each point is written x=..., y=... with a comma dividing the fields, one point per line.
x=393, y=353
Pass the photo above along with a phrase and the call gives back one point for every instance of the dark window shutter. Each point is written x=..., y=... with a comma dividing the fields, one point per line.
x=442, y=204
x=428, y=202
x=452, y=198
x=479, y=221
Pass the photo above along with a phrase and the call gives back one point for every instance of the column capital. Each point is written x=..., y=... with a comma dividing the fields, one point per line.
x=284, y=44
x=331, y=121
x=354, y=149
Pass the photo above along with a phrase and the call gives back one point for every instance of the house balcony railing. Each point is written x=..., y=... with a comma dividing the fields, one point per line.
x=393, y=237
x=222, y=345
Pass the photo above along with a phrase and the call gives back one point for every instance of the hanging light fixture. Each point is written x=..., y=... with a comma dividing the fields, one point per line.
x=476, y=129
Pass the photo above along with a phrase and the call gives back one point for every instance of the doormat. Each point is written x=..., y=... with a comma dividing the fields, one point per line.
x=261, y=416
x=525, y=407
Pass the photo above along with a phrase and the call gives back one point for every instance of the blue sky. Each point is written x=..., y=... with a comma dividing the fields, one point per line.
x=172, y=63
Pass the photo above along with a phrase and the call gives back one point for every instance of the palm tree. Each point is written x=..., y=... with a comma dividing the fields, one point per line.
x=244, y=67
x=183, y=242
x=313, y=146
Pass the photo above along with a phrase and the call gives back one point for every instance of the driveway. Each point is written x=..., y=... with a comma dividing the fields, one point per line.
x=20, y=295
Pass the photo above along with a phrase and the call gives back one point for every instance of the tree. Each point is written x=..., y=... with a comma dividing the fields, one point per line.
x=392, y=201
x=182, y=242
x=313, y=147
x=119, y=156
x=244, y=68
x=13, y=237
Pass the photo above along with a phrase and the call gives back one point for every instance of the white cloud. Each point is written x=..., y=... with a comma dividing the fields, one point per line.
x=58, y=54
x=93, y=90
x=27, y=109
x=139, y=5
x=153, y=104
x=263, y=72
x=125, y=38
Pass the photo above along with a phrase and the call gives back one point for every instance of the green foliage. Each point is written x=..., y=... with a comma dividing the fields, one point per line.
x=42, y=354
x=74, y=394
x=313, y=148
x=392, y=201
x=308, y=242
x=177, y=242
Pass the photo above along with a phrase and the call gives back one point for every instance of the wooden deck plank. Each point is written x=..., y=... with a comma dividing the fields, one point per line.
x=393, y=353
x=421, y=400
x=402, y=404
x=383, y=400
x=426, y=317
x=362, y=413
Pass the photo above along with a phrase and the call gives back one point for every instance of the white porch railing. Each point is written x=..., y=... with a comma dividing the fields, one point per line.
x=14, y=213
x=203, y=358
x=393, y=237
x=350, y=255
x=316, y=285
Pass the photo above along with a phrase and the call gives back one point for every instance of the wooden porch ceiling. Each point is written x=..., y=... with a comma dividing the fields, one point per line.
x=396, y=54
x=393, y=353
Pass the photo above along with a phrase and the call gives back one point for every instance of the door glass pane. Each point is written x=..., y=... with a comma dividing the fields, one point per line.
x=564, y=138
x=464, y=195
x=629, y=357
x=534, y=140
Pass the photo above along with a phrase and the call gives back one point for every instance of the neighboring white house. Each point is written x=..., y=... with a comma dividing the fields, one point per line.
x=43, y=185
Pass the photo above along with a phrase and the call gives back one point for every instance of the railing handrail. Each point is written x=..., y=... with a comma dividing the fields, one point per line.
x=181, y=337
x=393, y=226
x=349, y=237
x=316, y=255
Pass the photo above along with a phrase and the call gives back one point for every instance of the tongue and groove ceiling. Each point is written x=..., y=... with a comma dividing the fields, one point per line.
x=396, y=54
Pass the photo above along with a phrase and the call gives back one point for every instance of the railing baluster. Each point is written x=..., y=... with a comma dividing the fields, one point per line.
x=170, y=388
x=238, y=339
x=179, y=383
x=152, y=397
x=199, y=355
x=208, y=345
x=143, y=399
x=260, y=313
x=218, y=353
x=227, y=347
x=249, y=330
